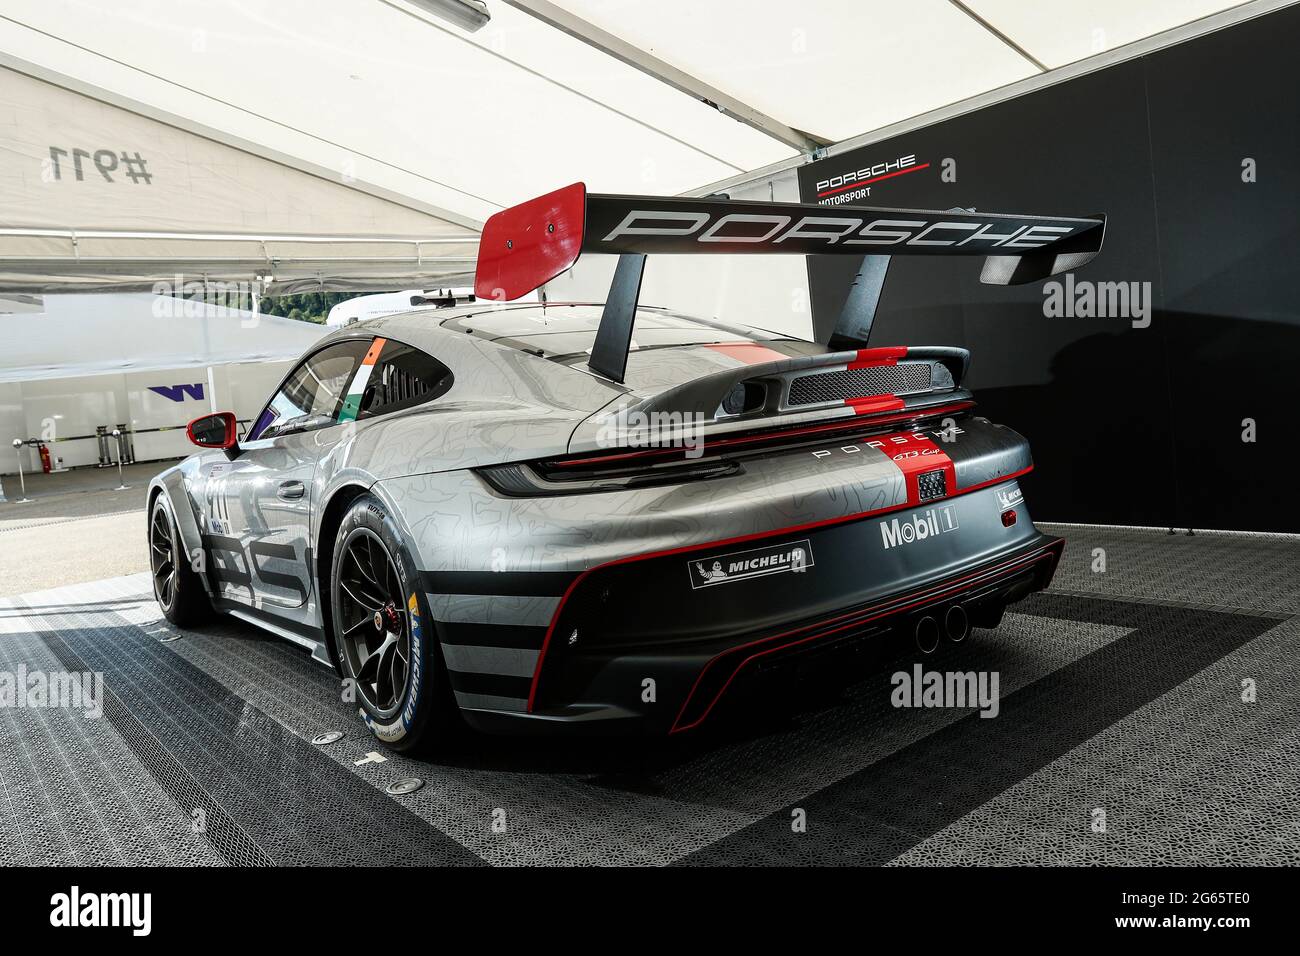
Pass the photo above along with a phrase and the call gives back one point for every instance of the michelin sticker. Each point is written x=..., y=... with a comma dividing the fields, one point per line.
x=1009, y=497
x=795, y=556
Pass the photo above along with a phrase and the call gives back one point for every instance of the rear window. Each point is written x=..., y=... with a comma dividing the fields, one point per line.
x=403, y=377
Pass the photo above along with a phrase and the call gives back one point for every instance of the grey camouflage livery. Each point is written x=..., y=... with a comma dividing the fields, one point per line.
x=530, y=491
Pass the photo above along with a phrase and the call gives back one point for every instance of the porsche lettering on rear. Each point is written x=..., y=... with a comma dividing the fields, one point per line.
x=703, y=227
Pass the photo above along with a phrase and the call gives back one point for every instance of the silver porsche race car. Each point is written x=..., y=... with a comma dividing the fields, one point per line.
x=612, y=516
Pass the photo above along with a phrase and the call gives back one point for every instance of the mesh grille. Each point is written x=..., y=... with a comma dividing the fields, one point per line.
x=931, y=485
x=859, y=382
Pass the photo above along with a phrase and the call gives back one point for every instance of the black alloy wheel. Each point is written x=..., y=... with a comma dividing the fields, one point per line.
x=376, y=627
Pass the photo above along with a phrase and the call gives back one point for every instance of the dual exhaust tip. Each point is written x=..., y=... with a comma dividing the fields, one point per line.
x=952, y=621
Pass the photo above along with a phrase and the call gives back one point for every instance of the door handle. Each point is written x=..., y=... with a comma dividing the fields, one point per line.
x=292, y=490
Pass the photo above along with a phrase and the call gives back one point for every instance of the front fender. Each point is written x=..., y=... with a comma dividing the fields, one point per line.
x=171, y=483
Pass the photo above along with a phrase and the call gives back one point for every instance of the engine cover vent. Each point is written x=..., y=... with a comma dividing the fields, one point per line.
x=901, y=379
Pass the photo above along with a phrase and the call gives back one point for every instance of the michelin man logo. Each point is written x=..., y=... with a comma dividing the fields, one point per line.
x=712, y=575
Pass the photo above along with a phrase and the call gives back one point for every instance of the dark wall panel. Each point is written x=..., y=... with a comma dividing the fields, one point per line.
x=1128, y=425
x=1230, y=252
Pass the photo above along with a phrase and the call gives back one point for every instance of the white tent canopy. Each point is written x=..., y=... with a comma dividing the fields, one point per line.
x=839, y=68
x=79, y=335
x=98, y=197
x=412, y=128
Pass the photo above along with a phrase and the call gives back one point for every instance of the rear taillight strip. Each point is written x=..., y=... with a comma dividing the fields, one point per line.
x=873, y=404
x=854, y=424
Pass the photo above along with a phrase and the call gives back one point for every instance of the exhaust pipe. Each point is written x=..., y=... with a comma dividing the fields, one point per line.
x=956, y=623
x=926, y=633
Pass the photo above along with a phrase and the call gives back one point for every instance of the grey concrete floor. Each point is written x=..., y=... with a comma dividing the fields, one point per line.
x=77, y=527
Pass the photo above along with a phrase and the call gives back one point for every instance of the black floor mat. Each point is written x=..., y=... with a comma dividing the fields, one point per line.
x=262, y=795
x=884, y=809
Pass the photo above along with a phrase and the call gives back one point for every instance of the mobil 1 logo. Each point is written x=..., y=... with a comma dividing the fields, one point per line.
x=918, y=527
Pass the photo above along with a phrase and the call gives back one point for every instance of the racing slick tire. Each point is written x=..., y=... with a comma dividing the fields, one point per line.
x=176, y=585
x=383, y=634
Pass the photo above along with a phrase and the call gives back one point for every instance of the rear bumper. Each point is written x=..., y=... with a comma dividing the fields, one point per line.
x=983, y=591
x=646, y=659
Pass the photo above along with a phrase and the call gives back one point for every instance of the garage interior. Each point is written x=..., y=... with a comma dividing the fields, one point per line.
x=1149, y=699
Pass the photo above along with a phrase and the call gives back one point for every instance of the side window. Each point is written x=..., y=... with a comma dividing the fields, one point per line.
x=311, y=395
x=402, y=377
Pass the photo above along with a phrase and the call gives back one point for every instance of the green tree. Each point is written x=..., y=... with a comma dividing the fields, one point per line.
x=305, y=306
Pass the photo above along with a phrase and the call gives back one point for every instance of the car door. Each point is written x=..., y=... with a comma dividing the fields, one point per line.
x=258, y=505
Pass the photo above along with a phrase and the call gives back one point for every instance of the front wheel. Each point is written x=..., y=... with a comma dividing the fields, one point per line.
x=383, y=634
x=176, y=585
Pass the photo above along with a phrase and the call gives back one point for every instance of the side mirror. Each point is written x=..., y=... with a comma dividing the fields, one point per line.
x=212, y=431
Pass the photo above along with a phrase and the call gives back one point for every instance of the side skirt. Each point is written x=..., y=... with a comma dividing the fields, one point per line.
x=300, y=634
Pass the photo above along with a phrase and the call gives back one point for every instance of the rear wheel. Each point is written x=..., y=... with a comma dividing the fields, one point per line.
x=384, y=642
x=176, y=585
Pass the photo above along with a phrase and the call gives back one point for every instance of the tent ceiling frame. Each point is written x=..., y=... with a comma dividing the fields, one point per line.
x=1001, y=37
x=611, y=45
x=1129, y=51
x=75, y=234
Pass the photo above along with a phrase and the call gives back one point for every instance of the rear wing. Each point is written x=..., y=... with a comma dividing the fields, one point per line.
x=526, y=246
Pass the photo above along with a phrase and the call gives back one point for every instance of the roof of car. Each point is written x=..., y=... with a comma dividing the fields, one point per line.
x=559, y=328
x=563, y=334
x=563, y=329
